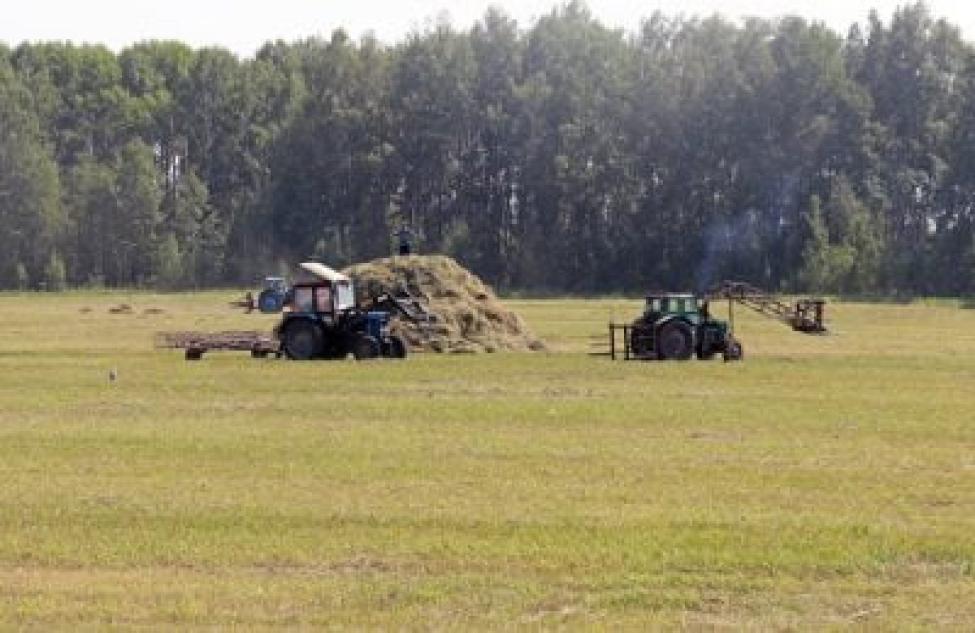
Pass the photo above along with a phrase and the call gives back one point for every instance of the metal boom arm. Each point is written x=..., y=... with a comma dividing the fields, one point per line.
x=805, y=315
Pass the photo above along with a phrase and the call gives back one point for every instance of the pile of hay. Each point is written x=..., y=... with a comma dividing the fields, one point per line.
x=468, y=316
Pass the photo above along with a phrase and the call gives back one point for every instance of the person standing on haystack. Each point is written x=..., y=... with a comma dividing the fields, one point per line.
x=404, y=237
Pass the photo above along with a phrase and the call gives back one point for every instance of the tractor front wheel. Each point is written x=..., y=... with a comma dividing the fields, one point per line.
x=675, y=341
x=302, y=341
x=396, y=347
x=365, y=347
x=733, y=351
x=641, y=342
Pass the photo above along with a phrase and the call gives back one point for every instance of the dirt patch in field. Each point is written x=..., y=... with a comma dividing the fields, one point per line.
x=122, y=308
x=468, y=317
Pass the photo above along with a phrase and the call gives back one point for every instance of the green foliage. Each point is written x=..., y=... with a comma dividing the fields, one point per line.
x=115, y=209
x=21, y=276
x=815, y=273
x=168, y=264
x=572, y=156
x=30, y=209
x=200, y=235
x=843, y=250
x=55, y=274
x=92, y=208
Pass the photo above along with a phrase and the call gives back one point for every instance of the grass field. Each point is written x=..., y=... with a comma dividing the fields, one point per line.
x=824, y=482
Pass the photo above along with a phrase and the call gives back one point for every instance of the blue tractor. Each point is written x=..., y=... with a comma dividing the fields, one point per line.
x=321, y=320
x=272, y=297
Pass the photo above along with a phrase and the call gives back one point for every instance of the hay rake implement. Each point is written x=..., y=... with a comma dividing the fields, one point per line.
x=196, y=344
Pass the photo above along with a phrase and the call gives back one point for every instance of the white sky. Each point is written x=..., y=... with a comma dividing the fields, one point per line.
x=243, y=25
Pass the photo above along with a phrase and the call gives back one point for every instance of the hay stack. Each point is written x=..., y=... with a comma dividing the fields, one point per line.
x=469, y=317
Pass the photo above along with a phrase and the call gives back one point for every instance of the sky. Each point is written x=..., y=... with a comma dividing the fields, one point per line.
x=243, y=25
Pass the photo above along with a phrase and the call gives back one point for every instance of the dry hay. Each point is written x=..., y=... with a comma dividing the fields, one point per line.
x=468, y=316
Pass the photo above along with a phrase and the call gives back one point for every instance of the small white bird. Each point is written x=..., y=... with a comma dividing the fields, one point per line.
x=112, y=375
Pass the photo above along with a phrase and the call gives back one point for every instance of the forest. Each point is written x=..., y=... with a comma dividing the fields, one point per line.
x=564, y=156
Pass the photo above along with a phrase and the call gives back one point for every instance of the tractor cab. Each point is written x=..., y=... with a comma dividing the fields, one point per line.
x=277, y=284
x=683, y=305
x=320, y=292
x=321, y=320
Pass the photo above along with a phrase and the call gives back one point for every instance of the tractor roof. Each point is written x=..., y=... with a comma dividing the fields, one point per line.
x=670, y=295
x=316, y=272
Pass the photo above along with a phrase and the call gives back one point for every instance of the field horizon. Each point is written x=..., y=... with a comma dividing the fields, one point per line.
x=824, y=482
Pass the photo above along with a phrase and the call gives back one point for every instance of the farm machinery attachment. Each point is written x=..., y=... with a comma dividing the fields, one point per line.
x=402, y=305
x=677, y=326
x=804, y=315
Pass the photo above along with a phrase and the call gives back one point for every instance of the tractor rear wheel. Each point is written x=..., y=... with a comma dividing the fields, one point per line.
x=675, y=341
x=365, y=347
x=302, y=341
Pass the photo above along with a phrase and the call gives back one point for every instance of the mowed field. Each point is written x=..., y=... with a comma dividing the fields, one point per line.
x=823, y=482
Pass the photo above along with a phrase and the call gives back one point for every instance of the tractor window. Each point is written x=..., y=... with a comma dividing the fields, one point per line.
x=303, y=299
x=323, y=299
x=344, y=296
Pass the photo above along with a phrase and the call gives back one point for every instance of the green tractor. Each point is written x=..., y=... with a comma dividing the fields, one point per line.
x=677, y=327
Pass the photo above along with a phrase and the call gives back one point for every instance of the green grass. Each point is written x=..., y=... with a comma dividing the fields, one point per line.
x=824, y=482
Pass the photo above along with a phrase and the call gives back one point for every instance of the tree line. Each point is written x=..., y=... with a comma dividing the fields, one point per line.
x=567, y=156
